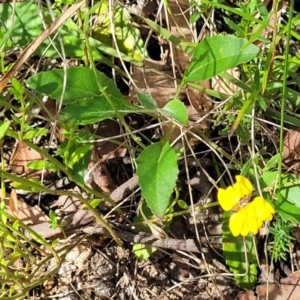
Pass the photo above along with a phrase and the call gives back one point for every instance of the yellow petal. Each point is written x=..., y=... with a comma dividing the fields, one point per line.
x=237, y=223
x=228, y=198
x=264, y=210
x=246, y=228
x=253, y=222
x=270, y=207
x=243, y=186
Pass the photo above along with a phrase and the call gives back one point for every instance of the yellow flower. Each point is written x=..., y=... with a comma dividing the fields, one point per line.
x=247, y=216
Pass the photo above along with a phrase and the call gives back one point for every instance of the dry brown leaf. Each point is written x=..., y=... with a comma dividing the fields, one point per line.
x=154, y=80
x=157, y=78
x=13, y=202
x=26, y=213
x=67, y=203
x=228, y=297
x=248, y=295
x=180, y=27
x=291, y=145
x=289, y=289
x=107, y=150
x=78, y=255
x=224, y=86
x=23, y=155
x=100, y=174
x=296, y=234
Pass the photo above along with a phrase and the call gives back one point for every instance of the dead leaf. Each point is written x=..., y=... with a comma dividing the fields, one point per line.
x=296, y=234
x=291, y=145
x=78, y=255
x=155, y=79
x=179, y=27
x=183, y=266
x=106, y=149
x=24, y=212
x=248, y=295
x=67, y=203
x=100, y=174
x=13, y=202
x=224, y=86
x=201, y=102
x=23, y=155
x=178, y=16
x=289, y=289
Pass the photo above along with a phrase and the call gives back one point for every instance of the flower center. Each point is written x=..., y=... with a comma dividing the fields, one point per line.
x=243, y=202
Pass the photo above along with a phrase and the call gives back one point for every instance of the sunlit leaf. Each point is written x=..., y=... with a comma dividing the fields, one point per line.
x=85, y=104
x=177, y=110
x=157, y=172
x=214, y=55
x=235, y=254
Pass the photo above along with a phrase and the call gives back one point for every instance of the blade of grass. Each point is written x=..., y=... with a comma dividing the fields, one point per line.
x=284, y=90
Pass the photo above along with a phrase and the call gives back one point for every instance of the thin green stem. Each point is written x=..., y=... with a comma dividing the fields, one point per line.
x=23, y=112
x=103, y=89
x=284, y=91
x=37, y=186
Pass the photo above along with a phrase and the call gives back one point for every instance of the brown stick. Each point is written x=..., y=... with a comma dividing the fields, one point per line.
x=81, y=218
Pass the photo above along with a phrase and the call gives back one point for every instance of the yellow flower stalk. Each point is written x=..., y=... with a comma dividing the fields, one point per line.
x=247, y=216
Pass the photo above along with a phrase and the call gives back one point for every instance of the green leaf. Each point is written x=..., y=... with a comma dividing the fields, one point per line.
x=289, y=212
x=217, y=54
x=157, y=172
x=235, y=255
x=42, y=164
x=293, y=96
x=288, y=201
x=35, y=132
x=28, y=25
x=94, y=203
x=80, y=156
x=182, y=204
x=234, y=26
x=290, y=189
x=4, y=126
x=262, y=102
x=195, y=17
x=93, y=110
x=28, y=185
x=177, y=110
x=262, y=9
x=81, y=83
x=128, y=37
x=142, y=251
x=272, y=162
x=53, y=220
x=87, y=105
x=147, y=101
